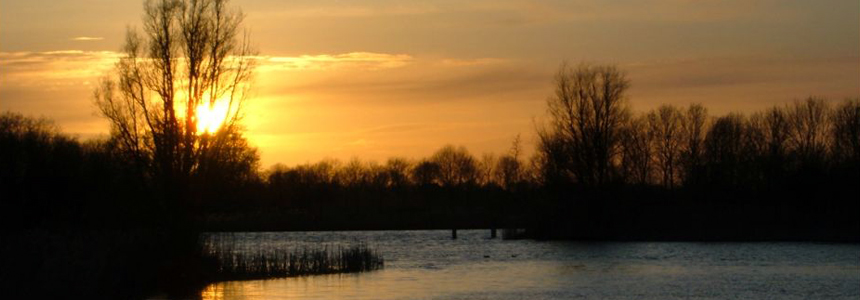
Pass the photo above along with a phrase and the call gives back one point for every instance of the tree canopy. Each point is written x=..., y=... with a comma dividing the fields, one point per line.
x=175, y=98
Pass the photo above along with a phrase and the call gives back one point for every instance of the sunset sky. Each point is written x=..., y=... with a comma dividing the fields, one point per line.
x=375, y=79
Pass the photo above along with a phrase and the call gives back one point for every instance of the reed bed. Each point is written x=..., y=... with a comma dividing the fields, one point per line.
x=233, y=263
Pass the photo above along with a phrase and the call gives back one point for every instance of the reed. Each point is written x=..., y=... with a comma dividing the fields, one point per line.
x=232, y=263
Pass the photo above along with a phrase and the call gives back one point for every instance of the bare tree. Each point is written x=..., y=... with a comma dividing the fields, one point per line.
x=456, y=166
x=426, y=173
x=724, y=148
x=509, y=168
x=809, y=129
x=516, y=147
x=636, y=151
x=756, y=136
x=587, y=114
x=532, y=173
x=508, y=171
x=846, y=131
x=767, y=137
x=554, y=157
x=189, y=59
x=353, y=174
x=487, y=169
x=398, y=172
x=665, y=127
x=777, y=132
x=695, y=127
x=377, y=175
x=324, y=171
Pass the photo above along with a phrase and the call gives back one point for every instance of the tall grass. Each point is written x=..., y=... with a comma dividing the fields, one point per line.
x=235, y=263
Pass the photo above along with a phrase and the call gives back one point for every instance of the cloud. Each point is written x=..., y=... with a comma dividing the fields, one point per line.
x=59, y=67
x=55, y=84
x=77, y=64
x=342, y=10
x=88, y=38
x=351, y=60
x=472, y=62
x=51, y=68
x=429, y=81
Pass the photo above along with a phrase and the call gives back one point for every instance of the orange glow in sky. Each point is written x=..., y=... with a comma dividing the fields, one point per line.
x=376, y=79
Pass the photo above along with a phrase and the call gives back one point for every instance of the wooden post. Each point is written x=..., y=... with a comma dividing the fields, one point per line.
x=492, y=233
x=454, y=234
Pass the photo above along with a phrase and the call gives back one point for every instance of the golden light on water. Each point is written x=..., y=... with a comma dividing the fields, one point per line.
x=210, y=116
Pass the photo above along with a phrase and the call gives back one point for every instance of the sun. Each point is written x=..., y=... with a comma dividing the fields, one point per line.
x=210, y=117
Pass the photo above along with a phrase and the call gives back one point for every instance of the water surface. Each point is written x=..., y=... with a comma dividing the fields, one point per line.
x=430, y=265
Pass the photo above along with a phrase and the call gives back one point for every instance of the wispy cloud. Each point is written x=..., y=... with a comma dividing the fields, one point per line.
x=88, y=38
x=429, y=81
x=54, y=67
x=317, y=9
x=75, y=64
x=352, y=60
x=472, y=62
x=55, y=84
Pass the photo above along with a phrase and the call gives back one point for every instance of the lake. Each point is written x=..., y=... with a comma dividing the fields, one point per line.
x=430, y=265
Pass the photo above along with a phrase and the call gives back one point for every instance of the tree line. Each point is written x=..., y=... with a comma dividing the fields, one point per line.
x=593, y=139
x=669, y=146
x=806, y=152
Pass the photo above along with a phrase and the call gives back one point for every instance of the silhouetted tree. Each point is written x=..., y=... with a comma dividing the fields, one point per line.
x=426, y=173
x=173, y=102
x=398, y=172
x=40, y=171
x=767, y=136
x=665, y=127
x=533, y=173
x=225, y=168
x=188, y=60
x=352, y=174
x=724, y=147
x=809, y=130
x=456, y=166
x=636, y=152
x=554, y=156
x=846, y=131
x=487, y=167
x=509, y=168
x=586, y=116
x=776, y=133
x=695, y=127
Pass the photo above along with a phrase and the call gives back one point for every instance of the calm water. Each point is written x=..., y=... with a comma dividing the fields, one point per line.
x=430, y=265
